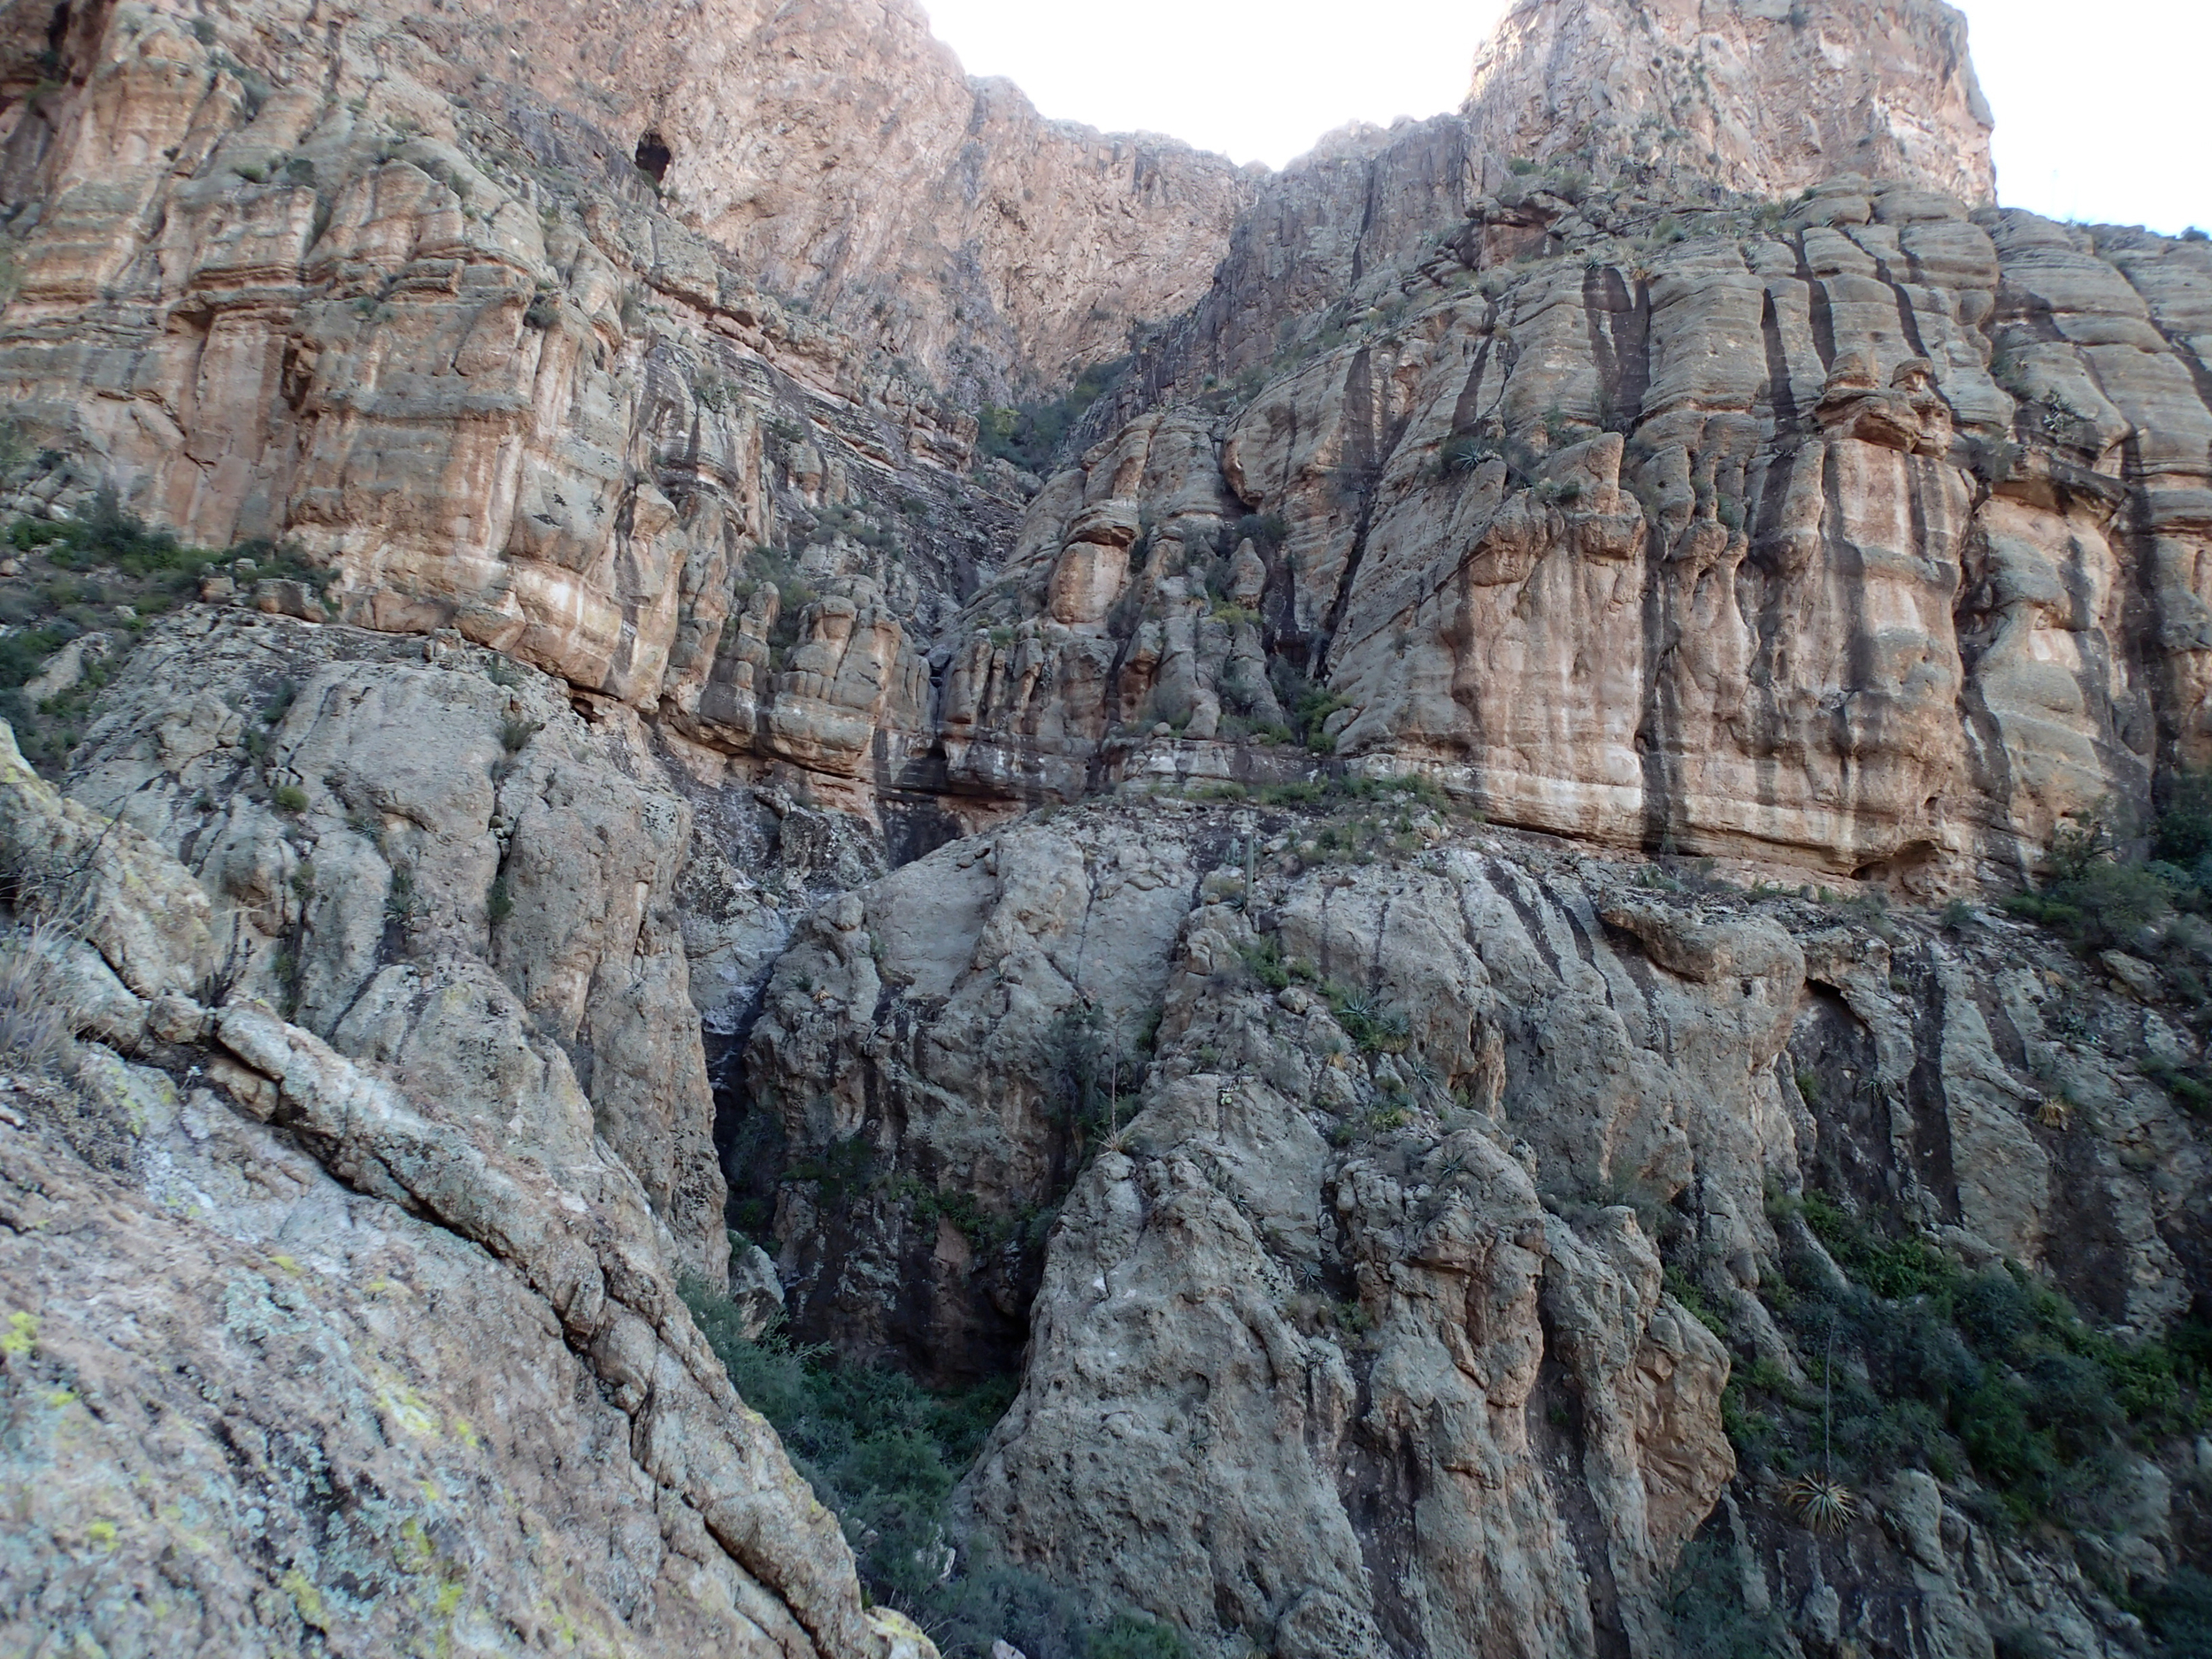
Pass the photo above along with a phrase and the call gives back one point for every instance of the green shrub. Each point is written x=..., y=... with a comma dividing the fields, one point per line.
x=2183, y=832
x=1267, y=963
x=2096, y=899
x=1092, y=1070
x=1409, y=785
x=1265, y=531
x=2191, y=1087
x=1310, y=705
x=1993, y=1371
x=289, y=797
x=1128, y=1636
x=886, y=1453
x=23, y=653
x=1463, y=452
x=1030, y=435
x=279, y=702
x=1372, y=1028
x=793, y=594
x=1705, y=1606
x=2179, y=1614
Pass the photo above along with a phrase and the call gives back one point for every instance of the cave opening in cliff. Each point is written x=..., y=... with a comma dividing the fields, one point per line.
x=653, y=157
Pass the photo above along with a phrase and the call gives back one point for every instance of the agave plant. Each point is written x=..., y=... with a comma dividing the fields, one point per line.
x=1822, y=1501
x=1824, y=1505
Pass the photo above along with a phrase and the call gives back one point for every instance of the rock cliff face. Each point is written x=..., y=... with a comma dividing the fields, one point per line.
x=1331, y=957
x=1864, y=537
x=1755, y=95
x=1688, y=96
x=1362, y=1333
x=308, y=1355
x=384, y=290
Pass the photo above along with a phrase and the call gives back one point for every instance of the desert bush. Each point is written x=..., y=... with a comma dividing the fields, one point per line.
x=1310, y=705
x=2178, y=1612
x=1705, y=1605
x=886, y=1453
x=35, y=1028
x=1092, y=1069
x=1030, y=435
x=1463, y=452
x=1992, y=1374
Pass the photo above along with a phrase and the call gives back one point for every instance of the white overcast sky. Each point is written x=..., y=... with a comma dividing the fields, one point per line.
x=2101, y=112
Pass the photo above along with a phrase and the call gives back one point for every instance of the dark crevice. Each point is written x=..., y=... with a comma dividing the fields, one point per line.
x=1779, y=387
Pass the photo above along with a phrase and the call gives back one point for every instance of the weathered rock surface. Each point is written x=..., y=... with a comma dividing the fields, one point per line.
x=437, y=868
x=1864, y=535
x=919, y=1041
x=393, y=291
x=1808, y=539
x=1352, y=1335
x=1765, y=96
x=1395, y=1221
x=1755, y=96
x=307, y=1362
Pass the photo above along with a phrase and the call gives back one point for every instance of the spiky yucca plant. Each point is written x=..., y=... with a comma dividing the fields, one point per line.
x=1822, y=1501
x=1824, y=1505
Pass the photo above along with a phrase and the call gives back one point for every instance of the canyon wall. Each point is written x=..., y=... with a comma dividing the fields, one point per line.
x=1363, y=943
x=1867, y=536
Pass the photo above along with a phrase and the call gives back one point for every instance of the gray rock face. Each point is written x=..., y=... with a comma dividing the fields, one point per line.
x=327, y=1357
x=613, y=824
x=931, y=1038
x=448, y=875
x=1352, y=1334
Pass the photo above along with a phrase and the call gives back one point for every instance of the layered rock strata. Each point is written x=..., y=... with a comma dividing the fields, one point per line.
x=1752, y=97
x=1860, y=535
x=1376, y=1206
x=395, y=293
x=1865, y=537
